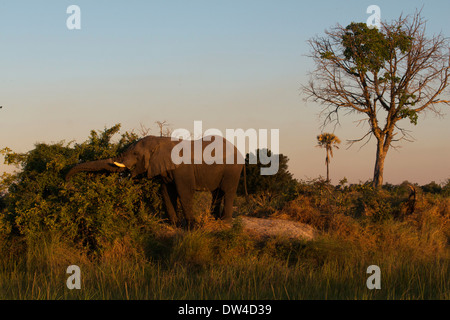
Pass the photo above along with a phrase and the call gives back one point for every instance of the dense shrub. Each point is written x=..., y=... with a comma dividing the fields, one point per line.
x=91, y=210
x=432, y=187
x=277, y=189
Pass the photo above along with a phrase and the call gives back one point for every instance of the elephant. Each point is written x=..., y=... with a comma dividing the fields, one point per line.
x=151, y=156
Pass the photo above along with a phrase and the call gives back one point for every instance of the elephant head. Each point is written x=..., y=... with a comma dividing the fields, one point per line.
x=150, y=155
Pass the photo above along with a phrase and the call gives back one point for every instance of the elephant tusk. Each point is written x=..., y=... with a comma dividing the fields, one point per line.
x=121, y=165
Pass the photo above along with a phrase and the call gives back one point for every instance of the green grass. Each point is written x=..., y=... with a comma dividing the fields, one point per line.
x=265, y=279
x=216, y=263
x=196, y=267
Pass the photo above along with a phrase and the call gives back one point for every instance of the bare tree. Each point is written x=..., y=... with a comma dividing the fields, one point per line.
x=389, y=74
x=164, y=131
x=143, y=130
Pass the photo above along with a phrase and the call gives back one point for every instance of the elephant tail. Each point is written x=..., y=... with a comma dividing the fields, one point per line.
x=245, y=183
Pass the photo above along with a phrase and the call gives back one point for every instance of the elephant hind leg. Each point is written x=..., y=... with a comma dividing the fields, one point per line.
x=229, y=186
x=217, y=197
x=170, y=198
x=228, y=206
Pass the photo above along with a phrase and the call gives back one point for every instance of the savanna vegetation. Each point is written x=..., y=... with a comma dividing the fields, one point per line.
x=114, y=228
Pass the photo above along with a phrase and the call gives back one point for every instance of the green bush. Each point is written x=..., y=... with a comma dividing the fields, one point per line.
x=375, y=204
x=279, y=188
x=446, y=189
x=91, y=210
x=432, y=187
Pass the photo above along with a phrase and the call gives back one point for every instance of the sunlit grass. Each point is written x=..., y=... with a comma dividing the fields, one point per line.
x=217, y=263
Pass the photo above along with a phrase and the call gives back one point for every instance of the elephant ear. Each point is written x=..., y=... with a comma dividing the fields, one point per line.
x=141, y=165
x=161, y=159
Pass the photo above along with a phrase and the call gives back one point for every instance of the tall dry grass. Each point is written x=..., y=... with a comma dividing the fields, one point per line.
x=214, y=262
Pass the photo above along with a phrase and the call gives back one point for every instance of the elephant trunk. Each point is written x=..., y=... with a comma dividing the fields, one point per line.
x=93, y=166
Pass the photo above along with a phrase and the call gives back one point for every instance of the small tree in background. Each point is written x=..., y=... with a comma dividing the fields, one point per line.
x=281, y=185
x=328, y=141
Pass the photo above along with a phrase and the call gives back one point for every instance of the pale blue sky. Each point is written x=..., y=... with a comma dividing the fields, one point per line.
x=231, y=64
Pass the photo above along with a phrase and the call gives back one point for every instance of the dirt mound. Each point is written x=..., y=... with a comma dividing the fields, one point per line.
x=278, y=227
x=260, y=227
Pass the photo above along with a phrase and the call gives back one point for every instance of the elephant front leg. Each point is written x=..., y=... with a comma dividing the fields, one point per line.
x=170, y=198
x=187, y=200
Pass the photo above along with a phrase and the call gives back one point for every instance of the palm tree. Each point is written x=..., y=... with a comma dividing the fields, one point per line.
x=328, y=141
